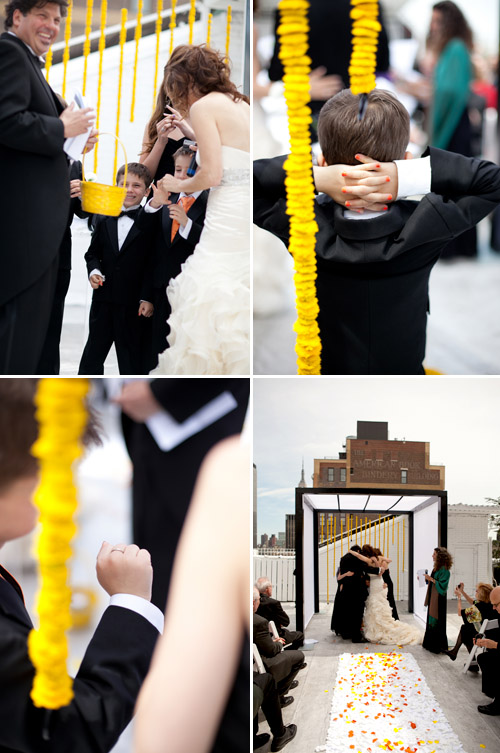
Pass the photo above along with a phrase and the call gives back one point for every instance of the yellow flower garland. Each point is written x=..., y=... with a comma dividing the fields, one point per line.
x=365, y=31
x=62, y=418
x=293, y=34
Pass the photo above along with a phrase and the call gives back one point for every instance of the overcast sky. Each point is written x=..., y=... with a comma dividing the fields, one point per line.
x=311, y=417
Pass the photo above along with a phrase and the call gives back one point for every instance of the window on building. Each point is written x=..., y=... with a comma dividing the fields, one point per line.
x=404, y=476
x=342, y=474
x=331, y=474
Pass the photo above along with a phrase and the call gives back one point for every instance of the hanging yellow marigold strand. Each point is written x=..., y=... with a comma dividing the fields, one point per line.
x=62, y=418
x=365, y=31
x=293, y=34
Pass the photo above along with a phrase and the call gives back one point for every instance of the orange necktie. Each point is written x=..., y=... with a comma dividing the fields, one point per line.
x=187, y=202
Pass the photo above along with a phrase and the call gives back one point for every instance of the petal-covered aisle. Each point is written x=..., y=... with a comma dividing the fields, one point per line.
x=382, y=702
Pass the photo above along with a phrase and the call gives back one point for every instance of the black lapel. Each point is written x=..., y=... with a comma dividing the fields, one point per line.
x=112, y=228
x=57, y=107
x=131, y=235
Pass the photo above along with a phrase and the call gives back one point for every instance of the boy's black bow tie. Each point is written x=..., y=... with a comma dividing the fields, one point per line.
x=132, y=213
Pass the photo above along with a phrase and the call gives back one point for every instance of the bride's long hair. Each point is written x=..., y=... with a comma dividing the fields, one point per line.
x=198, y=69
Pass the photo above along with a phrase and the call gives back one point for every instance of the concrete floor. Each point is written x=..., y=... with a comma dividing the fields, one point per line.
x=457, y=694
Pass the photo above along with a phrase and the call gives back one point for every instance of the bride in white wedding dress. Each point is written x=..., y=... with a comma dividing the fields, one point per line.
x=210, y=299
x=379, y=624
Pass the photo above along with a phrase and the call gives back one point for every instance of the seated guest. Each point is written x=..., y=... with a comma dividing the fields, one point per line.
x=489, y=661
x=118, y=655
x=480, y=610
x=271, y=609
x=283, y=665
x=265, y=695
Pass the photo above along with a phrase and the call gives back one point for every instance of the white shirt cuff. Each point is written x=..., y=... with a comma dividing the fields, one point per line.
x=149, y=611
x=414, y=176
x=149, y=209
x=95, y=272
x=184, y=231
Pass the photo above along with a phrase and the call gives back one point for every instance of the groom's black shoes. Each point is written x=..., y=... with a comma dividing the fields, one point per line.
x=279, y=742
x=286, y=700
x=360, y=639
x=492, y=709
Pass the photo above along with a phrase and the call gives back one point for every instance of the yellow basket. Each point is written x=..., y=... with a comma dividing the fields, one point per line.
x=99, y=198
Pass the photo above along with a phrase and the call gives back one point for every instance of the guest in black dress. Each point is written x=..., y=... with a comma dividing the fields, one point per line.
x=435, y=639
x=339, y=604
x=163, y=135
x=483, y=610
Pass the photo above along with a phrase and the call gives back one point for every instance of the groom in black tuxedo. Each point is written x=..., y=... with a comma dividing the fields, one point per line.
x=354, y=593
x=34, y=194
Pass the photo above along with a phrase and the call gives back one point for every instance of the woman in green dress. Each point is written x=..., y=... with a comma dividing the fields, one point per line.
x=435, y=638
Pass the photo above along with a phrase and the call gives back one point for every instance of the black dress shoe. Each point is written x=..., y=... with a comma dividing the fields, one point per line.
x=293, y=685
x=279, y=742
x=286, y=700
x=450, y=654
x=360, y=639
x=301, y=666
x=260, y=740
x=491, y=709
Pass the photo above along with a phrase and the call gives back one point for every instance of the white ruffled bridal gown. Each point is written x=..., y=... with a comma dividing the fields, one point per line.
x=379, y=624
x=210, y=298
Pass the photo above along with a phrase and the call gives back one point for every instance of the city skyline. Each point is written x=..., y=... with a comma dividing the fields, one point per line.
x=458, y=416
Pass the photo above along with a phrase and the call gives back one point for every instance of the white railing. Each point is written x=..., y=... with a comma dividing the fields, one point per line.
x=279, y=570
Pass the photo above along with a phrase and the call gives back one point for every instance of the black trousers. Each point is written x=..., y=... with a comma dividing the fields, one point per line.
x=50, y=361
x=110, y=323
x=270, y=704
x=23, y=324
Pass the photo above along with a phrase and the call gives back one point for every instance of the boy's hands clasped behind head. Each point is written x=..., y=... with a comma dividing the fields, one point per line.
x=359, y=187
x=125, y=570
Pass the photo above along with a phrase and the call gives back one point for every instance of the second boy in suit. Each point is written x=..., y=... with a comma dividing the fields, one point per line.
x=116, y=261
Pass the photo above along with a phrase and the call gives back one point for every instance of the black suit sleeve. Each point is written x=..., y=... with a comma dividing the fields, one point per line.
x=105, y=688
x=269, y=197
x=21, y=128
x=93, y=257
x=464, y=190
x=262, y=639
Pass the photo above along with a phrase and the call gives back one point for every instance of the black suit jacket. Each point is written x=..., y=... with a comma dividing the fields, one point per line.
x=356, y=582
x=124, y=269
x=271, y=609
x=168, y=255
x=106, y=686
x=163, y=482
x=34, y=194
x=373, y=275
x=75, y=207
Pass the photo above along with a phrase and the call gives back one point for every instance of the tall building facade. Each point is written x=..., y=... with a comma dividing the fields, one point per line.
x=372, y=460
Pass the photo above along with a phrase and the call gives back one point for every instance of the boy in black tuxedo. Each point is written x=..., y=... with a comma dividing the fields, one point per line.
x=117, y=658
x=116, y=261
x=373, y=274
x=176, y=231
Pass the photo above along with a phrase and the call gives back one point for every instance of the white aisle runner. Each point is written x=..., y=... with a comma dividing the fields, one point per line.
x=382, y=702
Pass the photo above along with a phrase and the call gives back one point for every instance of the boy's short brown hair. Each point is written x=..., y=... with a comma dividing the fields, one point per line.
x=183, y=151
x=136, y=168
x=383, y=133
x=19, y=430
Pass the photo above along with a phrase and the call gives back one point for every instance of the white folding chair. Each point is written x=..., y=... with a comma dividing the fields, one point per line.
x=476, y=650
x=258, y=660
